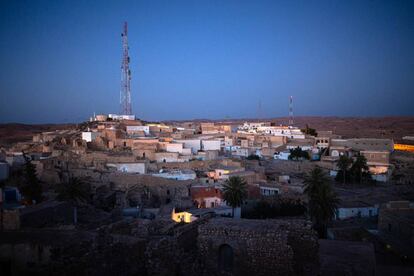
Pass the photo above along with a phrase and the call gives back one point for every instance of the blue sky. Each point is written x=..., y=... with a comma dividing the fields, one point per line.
x=60, y=60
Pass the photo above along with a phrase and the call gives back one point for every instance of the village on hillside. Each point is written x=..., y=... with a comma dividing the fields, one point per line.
x=123, y=184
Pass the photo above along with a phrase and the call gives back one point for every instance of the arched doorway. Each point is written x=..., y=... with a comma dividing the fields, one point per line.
x=225, y=258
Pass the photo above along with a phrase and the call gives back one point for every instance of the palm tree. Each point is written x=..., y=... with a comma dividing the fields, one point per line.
x=322, y=200
x=343, y=164
x=75, y=190
x=235, y=191
x=360, y=168
x=310, y=131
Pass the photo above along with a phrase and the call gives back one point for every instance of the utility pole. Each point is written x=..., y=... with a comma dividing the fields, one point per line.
x=291, y=111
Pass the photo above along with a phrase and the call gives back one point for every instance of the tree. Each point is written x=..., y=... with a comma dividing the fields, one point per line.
x=359, y=169
x=343, y=164
x=298, y=153
x=323, y=201
x=276, y=207
x=235, y=191
x=253, y=157
x=310, y=131
x=31, y=187
x=74, y=190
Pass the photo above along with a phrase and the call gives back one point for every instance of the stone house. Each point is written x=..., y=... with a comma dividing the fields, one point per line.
x=206, y=196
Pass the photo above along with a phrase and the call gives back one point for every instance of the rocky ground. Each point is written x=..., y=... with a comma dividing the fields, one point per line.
x=13, y=133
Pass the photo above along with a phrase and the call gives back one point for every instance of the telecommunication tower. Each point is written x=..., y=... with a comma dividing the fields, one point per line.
x=291, y=110
x=125, y=94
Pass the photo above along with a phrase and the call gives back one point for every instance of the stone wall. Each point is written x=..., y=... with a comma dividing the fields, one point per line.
x=196, y=164
x=283, y=167
x=49, y=213
x=397, y=222
x=10, y=219
x=260, y=247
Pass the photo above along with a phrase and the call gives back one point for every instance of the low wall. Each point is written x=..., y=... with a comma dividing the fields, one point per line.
x=258, y=247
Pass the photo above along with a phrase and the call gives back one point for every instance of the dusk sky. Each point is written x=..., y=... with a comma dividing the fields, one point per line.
x=60, y=60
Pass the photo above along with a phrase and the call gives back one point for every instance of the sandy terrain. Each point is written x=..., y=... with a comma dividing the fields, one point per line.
x=12, y=133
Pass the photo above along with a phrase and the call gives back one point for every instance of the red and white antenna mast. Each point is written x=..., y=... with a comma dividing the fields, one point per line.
x=125, y=94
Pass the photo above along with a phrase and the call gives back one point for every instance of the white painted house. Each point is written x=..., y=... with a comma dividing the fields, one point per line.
x=177, y=174
x=265, y=128
x=90, y=136
x=174, y=147
x=139, y=168
x=135, y=129
x=193, y=144
x=284, y=155
x=356, y=209
x=211, y=144
x=121, y=117
x=269, y=191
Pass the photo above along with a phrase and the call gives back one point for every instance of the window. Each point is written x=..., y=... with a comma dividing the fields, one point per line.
x=225, y=260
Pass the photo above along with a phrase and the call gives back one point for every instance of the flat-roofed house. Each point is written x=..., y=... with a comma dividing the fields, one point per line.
x=193, y=144
x=138, y=129
x=207, y=196
x=174, y=147
x=213, y=144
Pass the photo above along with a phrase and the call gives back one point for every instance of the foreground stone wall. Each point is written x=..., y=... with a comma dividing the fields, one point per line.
x=259, y=247
x=397, y=222
x=47, y=214
x=9, y=220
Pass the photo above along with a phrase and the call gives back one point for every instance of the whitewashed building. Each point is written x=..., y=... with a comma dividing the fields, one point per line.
x=135, y=129
x=356, y=209
x=193, y=144
x=269, y=191
x=265, y=128
x=139, y=168
x=121, y=117
x=284, y=155
x=177, y=174
x=90, y=136
x=174, y=147
x=211, y=144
